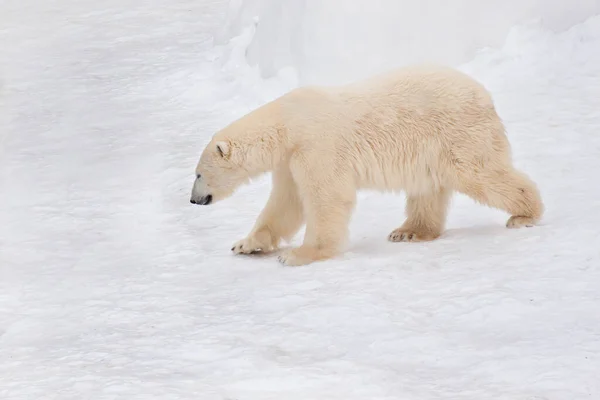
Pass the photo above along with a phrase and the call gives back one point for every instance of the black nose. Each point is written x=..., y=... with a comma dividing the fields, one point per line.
x=192, y=201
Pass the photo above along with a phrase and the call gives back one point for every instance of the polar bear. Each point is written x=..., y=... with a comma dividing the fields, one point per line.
x=426, y=130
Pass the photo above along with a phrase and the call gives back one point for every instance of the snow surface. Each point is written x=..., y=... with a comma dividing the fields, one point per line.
x=112, y=286
x=315, y=37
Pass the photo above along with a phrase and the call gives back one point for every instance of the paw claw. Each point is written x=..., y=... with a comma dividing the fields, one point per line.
x=408, y=235
x=249, y=245
x=294, y=257
x=516, y=222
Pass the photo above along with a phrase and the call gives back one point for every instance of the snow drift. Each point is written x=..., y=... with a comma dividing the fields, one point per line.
x=333, y=41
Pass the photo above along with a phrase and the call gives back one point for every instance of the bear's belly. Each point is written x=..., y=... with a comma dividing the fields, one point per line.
x=410, y=178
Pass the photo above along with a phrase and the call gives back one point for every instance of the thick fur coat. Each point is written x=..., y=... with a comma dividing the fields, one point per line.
x=426, y=130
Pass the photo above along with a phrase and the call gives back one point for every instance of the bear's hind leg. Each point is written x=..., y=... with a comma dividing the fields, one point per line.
x=509, y=190
x=426, y=217
x=281, y=218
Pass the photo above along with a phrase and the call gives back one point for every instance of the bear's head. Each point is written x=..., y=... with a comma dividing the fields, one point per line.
x=220, y=170
x=248, y=147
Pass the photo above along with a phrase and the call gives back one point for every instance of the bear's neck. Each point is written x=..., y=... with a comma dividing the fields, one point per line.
x=267, y=150
x=266, y=145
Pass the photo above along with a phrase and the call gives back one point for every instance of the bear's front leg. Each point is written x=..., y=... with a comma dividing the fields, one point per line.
x=328, y=205
x=281, y=218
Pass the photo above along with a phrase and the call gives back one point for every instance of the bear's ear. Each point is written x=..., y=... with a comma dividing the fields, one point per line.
x=223, y=149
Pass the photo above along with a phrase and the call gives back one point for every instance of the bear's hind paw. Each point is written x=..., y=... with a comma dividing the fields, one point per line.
x=411, y=235
x=516, y=222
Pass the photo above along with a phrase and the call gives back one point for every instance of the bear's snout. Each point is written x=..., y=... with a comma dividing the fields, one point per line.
x=204, y=200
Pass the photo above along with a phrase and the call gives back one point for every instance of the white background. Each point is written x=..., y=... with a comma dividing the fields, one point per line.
x=112, y=286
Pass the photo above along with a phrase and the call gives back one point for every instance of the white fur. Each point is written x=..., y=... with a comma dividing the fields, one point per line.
x=426, y=130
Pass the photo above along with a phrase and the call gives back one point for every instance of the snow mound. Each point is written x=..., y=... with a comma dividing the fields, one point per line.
x=334, y=41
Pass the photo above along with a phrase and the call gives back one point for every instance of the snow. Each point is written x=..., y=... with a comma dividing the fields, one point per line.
x=315, y=37
x=112, y=286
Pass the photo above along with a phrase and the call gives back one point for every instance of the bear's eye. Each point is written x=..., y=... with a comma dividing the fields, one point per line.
x=198, y=176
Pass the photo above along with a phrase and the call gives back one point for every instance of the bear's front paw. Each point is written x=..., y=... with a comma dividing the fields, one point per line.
x=411, y=235
x=304, y=255
x=294, y=258
x=251, y=245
